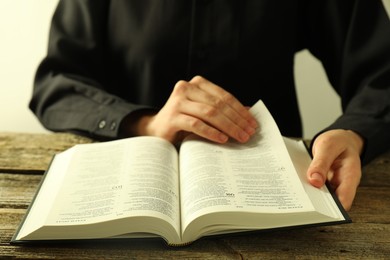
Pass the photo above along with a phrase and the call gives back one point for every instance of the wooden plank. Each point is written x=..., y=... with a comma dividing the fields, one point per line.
x=352, y=241
x=33, y=152
x=348, y=241
x=125, y=249
x=368, y=236
x=17, y=190
x=371, y=205
x=377, y=172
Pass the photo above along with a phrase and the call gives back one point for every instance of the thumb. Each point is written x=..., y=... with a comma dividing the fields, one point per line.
x=317, y=173
x=321, y=164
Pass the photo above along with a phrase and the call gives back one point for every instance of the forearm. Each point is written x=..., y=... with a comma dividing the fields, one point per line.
x=73, y=88
x=357, y=62
x=83, y=116
x=136, y=123
x=368, y=114
x=62, y=103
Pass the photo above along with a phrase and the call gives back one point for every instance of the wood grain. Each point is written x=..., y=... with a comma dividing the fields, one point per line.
x=32, y=153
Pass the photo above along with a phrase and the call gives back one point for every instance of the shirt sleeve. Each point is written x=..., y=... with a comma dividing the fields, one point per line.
x=354, y=47
x=71, y=82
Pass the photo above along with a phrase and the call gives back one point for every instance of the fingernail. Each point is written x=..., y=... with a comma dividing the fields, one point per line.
x=253, y=123
x=223, y=138
x=243, y=136
x=250, y=130
x=317, y=178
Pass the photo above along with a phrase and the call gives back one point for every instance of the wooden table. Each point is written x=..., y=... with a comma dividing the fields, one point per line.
x=24, y=157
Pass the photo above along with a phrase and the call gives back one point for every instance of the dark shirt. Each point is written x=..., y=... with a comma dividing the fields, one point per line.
x=107, y=59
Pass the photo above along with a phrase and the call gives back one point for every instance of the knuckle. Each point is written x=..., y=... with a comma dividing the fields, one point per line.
x=180, y=87
x=175, y=105
x=228, y=98
x=324, y=140
x=321, y=166
x=328, y=140
x=195, y=123
x=210, y=112
x=218, y=103
x=210, y=132
x=197, y=79
x=319, y=163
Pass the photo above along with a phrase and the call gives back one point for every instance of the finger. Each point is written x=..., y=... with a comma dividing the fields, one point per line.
x=346, y=179
x=324, y=155
x=195, y=125
x=226, y=98
x=211, y=106
x=213, y=118
x=201, y=104
x=346, y=194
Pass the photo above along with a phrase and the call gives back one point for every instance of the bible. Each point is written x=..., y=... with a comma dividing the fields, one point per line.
x=143, y=187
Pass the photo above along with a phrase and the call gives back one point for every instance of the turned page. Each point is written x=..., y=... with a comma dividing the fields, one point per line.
x=254, y=177
x=135, y=177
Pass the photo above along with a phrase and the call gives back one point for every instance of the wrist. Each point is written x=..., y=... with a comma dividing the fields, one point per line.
x=136, y=123
x=357, y=140
x=353, y=139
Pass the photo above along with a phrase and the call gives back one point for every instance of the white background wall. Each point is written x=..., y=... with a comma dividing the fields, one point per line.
x=318, y=102
x=24, y=26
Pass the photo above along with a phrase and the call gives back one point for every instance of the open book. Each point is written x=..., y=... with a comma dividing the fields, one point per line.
x=143, y=187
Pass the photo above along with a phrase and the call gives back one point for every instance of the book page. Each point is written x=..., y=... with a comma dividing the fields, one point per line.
x=136, y=177
x=38, y=212
x=254, y=177
x=321, y=197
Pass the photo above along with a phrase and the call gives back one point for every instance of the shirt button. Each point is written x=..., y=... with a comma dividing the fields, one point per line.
x=113, y=126
x=102, y=124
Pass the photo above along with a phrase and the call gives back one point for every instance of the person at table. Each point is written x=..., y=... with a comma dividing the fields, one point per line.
x=117, y=69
